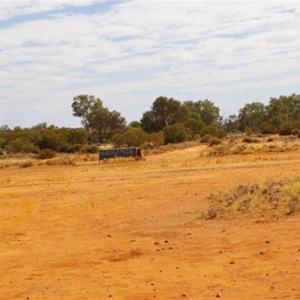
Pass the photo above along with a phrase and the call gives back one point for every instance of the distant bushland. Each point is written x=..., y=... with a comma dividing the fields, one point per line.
x=167, y=121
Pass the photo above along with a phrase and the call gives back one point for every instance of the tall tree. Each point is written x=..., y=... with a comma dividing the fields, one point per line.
x=165, y=111
x=252, y=115
x=203, y=110
x=148, y=122
x=231, y=124
x=96, y=118
x=283, y=110
x=4, y=127
x=84, y=105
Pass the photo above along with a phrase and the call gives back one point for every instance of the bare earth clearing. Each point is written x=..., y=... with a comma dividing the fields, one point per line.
x=131, y=230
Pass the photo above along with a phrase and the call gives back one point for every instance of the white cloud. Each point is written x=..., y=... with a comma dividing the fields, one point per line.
x=138, y=50
x=14, y=8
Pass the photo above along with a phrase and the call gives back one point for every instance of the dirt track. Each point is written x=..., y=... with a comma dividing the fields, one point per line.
x=131, y=230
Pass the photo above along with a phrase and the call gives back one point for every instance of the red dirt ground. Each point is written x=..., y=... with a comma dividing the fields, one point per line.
x=131, y=230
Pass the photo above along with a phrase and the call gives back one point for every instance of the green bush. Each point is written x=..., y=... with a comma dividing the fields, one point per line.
x=267, y=128
x=2, y=142
x=131, y=137
x=213, y=131
x=77, y=136
x=21, y=145
x=118, y=140
x=292, y=128
x=156, y=139
x=177, y=133
x=248, y=131
x=195, y=126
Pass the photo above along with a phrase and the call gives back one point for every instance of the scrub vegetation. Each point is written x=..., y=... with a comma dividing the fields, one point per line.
x=169, y=121
x=271, y=200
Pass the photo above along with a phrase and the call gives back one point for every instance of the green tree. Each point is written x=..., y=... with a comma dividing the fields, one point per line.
x=204, y=110
x=252, y=115
x=148, y=121
x=84, y=105
x=135, y=124
x=97, y=119
x=231, y=124
x=165, y=111
x=4, y=127
x=283, y=110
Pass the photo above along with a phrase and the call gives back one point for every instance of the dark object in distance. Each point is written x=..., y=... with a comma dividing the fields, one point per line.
x=122, y=152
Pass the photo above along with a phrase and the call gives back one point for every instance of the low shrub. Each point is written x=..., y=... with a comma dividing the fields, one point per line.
x=206, y=138
x=272, y=200
x=214, y=142
x=26, y=164
x=156, y=139
x=21, y=145
x=248, y=131
x=228, y=149
x=46, y=154
x=61, y=161
x=2, y=152
x=214, y=131
x=292, y=128
x=92, y=149
x=250, y=140
x=74, y=148
x=131, y=137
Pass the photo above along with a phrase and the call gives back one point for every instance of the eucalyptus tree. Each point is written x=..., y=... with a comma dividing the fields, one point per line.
x=97, y=119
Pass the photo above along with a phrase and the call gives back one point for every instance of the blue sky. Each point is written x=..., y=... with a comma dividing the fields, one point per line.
x=130, y=52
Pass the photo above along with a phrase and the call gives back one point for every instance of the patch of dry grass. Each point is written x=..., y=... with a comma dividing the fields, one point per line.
x=235, y=146
x=25, y=161
x=60, y=161
x=26, y=164
x=22, y=161
x=272, y=200
x=171, y=147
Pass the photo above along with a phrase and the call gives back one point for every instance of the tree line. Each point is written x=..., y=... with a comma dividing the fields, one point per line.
x=167, y=121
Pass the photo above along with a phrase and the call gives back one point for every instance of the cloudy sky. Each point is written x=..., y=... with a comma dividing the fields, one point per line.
x=130, y=52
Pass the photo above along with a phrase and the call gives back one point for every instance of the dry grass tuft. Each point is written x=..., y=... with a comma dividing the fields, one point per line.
x=26, y=161
x=272, y=200
x=60, y=161
x=22, y=161
x=46, y=153
x=26, y=164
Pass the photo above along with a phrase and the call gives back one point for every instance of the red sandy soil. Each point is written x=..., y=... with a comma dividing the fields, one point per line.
x=131, y=230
